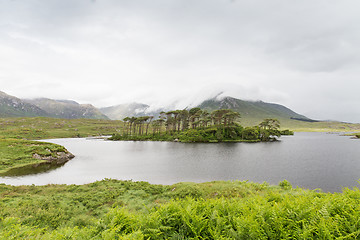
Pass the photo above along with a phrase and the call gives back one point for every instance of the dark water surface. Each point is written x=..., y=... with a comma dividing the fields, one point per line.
x=308, y=160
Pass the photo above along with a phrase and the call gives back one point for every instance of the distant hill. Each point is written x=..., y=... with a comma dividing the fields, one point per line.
x=121, y=111
x=11, y=106
x=253, y=111
x=67, y=109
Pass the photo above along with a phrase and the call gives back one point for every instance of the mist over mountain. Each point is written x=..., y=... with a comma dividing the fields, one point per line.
x=134, y=109
x=251, y=112
x=123, y=110
x=11, y=106
x=67, y=109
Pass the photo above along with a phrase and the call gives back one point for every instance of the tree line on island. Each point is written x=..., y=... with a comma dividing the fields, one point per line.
x=196, y=125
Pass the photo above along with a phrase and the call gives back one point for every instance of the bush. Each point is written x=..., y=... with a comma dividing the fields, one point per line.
x=250, y=133
x=286, y=132
x=285, y=184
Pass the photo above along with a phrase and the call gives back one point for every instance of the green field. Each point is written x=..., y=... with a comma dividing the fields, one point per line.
x=299, y=126
x=112, y=209
x=16, y=153
x=45, y=128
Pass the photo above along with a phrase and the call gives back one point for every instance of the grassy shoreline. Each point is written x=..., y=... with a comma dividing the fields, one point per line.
x=24, y=129
x=112, y=209
x=16, y=153
x=17, y=150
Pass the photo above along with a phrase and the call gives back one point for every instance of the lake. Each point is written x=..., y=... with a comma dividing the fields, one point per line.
x=308, y=160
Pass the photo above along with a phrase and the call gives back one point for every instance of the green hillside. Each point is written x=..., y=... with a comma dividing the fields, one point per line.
x=11, y=106
x=67, y=109
x=14, y=107
x=252, y=113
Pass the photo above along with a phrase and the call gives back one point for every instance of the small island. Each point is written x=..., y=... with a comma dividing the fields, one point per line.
x=17, y=153
x=196, y=125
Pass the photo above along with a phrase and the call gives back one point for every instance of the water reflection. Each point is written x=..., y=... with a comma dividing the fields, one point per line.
x=309, y=160
x=39, y=168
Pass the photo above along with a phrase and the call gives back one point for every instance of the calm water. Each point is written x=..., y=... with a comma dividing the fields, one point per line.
x=309, y=160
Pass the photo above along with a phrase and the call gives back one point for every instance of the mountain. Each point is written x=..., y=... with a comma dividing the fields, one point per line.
x=121, y=111
x=253, y=111
x=67, y=109
x=11, y=106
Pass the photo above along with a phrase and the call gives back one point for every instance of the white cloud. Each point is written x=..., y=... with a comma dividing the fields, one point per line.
x=303, y=54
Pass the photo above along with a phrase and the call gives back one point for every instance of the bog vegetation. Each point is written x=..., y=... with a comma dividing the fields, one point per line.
x=16, y=149
x=16, y=153
x=112, y=209
x=197, y=125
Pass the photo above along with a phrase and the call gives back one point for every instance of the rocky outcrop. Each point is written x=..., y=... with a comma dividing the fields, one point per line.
x=60, y=158
x=11, y=106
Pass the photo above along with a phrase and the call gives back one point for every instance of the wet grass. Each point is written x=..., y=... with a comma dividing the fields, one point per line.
x=45, y=128
x=112, y=209
x=15, y=153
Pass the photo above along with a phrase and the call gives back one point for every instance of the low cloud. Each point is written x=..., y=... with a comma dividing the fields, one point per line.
x=179, y=53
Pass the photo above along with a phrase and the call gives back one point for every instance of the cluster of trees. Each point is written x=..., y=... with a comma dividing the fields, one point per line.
x=196, y=125
x=179, y=120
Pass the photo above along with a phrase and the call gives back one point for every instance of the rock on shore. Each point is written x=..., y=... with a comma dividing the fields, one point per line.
x=61, y=157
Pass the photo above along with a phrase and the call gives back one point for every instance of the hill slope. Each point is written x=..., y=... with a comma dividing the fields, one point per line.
x=67, y=109
x=11, y=106
x=253, y=112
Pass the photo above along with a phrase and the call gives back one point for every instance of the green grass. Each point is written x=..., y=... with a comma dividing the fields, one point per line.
x=299, y=126
x=15, y=153
x=42, y=128
x=45, y=128
x=112, y=209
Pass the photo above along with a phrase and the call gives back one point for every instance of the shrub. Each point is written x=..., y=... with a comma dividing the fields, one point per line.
x=285, y=184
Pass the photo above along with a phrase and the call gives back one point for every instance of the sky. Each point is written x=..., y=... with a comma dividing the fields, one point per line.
x=304, y=54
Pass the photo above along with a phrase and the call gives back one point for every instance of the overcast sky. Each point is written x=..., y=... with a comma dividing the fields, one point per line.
x=303, y=54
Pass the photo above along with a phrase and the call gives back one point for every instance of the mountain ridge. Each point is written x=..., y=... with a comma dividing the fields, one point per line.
x=11, y=106
x=251, y=111
x=67, y=109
